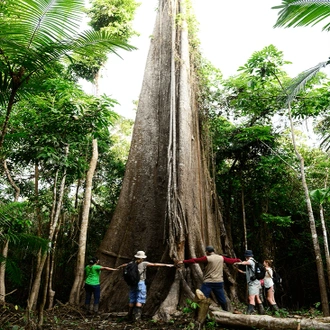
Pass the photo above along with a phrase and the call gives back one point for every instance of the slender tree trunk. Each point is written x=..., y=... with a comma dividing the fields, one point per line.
x=3, y=272
x=244, y=219
x=32, y=299
x=5, y=245
x=79, y=277
x=325, y=242
x=51, y=292
x=8, y=113
x=316, y=245
x=11, y=181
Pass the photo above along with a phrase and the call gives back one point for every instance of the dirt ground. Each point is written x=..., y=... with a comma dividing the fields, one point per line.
x=71, y=318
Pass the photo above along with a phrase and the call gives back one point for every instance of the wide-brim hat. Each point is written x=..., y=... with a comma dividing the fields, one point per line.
x=140, y=255
x=248, y=253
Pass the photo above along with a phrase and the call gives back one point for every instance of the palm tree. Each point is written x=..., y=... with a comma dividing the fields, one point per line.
x=33, y=35
x=295, y=13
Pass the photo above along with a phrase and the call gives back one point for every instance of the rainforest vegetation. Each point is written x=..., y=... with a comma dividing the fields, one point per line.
x=239, y=163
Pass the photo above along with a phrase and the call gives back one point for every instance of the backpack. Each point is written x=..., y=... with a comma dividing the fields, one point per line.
x=131, y=274
x=259, y=271
x=277, y=279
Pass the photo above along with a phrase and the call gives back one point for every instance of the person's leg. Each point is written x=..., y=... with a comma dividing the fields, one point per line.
x=97, y=293
x=88, y=296
x=206, y=289
x=253, y=292
x=133, y=294
x=217, y=289
x=141, y=300
x=271, y=298
x=261, y=309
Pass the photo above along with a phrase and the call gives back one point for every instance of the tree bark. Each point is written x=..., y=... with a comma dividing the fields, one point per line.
x=79, y=276
x=241, y=321
x=325, y=242
x=316, y=245
x=5, y=245
x=167, y=206
x=33, y=296
x=3, y=272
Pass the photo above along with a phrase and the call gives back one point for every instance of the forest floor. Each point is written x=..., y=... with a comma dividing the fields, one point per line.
x=67, y=317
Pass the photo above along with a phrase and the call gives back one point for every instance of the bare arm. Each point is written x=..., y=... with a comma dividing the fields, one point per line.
x=245, y=263
x=122, y=266
x=107, y=268
x=150, y=264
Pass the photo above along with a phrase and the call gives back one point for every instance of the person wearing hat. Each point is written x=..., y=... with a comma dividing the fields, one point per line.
x=92, y=283
x=213, y=274
x=138, y=294
x=254, y=285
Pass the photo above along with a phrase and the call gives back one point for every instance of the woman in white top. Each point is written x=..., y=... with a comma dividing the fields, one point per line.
x=269, y=284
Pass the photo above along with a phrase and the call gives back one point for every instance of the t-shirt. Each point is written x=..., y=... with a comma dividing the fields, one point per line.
x=250, y=272
x=142, y=267
x=268, y=280
x=93, y=274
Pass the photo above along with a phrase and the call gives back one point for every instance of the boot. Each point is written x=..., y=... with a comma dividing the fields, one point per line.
x=137, y=313
x=250, y=309
x=261, y=309
x=225, y=307
x=130, y=314
x=275, y=308
x=96, y=308
x=87, y=308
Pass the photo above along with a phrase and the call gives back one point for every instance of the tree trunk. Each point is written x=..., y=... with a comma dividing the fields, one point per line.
x=3, y=272
x=316, y=245
x=79, y=277
x=241, y=321
x=325, y=242
x=167, y=206
x=244, y=219
x=33, y=296
x=5, y=245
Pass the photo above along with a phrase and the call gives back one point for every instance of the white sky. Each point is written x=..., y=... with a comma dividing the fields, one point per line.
x=230, y=31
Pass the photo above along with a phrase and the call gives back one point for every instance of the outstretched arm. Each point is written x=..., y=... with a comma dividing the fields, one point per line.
x=122, y=266
x=201, y=260
x=107, y=268
x=231, y=260
x=150, y=264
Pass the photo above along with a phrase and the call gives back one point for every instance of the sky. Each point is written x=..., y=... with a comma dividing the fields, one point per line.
x=230, y=31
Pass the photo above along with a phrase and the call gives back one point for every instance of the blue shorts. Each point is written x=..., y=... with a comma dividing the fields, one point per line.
x=138, y=294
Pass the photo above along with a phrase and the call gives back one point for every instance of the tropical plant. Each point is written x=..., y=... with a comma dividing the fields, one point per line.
x=295, y=13
x=33, y=35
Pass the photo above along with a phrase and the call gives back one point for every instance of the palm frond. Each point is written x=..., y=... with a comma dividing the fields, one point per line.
x=295, y=13
x=298, y=84
x=35, y=22
x=35, y=33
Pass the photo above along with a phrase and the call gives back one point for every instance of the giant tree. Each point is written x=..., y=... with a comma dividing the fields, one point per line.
x=167, y=206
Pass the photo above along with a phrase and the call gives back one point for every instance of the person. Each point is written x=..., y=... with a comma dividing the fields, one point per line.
x=253, y=284
x=92, y=283
x=138, y=294
x=213, y=274
x=269, y=284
